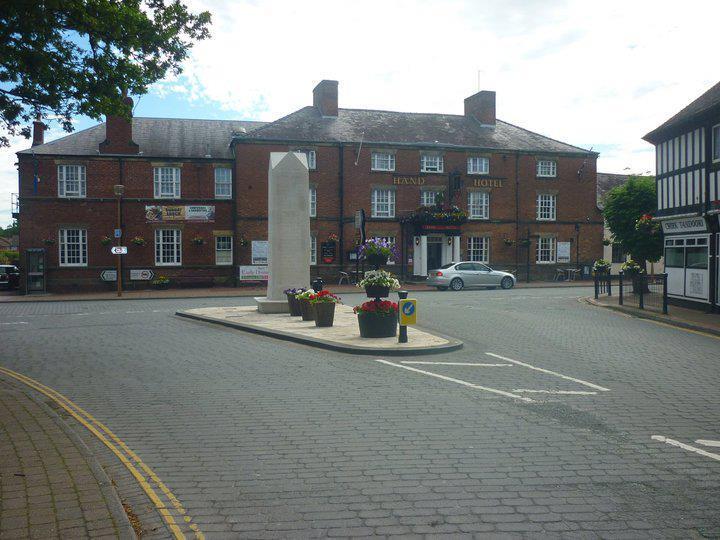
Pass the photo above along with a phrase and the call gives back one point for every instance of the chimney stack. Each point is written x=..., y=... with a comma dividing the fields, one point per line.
x=325, y=98
x=481, y=107
x=118, y=133
x=38, y=131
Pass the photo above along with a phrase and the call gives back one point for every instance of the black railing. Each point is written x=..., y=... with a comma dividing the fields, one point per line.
x=637, y=290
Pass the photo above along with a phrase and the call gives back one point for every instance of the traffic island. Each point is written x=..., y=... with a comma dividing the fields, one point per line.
x=343, y=336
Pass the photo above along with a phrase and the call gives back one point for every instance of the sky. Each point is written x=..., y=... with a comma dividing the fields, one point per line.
x=595, y=74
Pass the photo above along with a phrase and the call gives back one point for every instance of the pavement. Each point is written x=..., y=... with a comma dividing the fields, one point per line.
x=556, y=420
x=51, y=485
x=691, y=319
x=231, y=292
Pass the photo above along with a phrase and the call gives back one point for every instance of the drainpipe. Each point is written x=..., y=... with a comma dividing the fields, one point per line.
x=517, y=211
x=341, y=194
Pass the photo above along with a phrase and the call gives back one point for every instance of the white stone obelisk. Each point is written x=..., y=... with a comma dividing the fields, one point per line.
x=288, y=229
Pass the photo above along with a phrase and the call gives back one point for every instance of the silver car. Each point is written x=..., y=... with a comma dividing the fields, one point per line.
x=457, y=276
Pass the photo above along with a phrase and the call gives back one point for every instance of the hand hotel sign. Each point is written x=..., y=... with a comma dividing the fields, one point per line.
x=420, y=181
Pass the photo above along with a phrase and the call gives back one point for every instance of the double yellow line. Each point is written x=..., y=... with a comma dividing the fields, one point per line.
x=128, y=458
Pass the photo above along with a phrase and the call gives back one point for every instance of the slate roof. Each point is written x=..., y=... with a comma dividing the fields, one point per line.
x=157, y=137
x=707, y=101
x=607, y=181
x=401, y=128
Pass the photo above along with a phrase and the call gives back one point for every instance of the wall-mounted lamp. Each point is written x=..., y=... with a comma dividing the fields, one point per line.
x=450, y=240
x=417, y=240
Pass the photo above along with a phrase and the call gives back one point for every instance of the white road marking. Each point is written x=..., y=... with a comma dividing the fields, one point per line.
x=18, y=322
x=562, y=392
x=684, y=446
x=455, y=364
x=706, y=442
x=457, y=381
x=579, y=381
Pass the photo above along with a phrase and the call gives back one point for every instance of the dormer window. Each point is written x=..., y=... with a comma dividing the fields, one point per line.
x=431, y=163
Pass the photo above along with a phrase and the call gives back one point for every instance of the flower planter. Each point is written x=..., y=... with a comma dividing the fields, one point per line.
x=294, y=305
x=377, y=291
x=307, y=310
x=377, y=325
x=376, y=259
x=324, y=313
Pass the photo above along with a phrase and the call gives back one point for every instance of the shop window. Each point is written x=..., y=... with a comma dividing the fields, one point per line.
x=674, y=257
x=479, y=205
x=431, y=163
x=716, y=142
x=313, y=201
x=223, y=250
x=383, y=203
x=223, y=183
x=696, y=257
x=478, y=165
x=71, y=181
x=479, y=249
x=382, y=161
x=547, y=168
x=168, y=247
x=545, y=250
x=166, y=182
x=73, y=247
x=546, y=207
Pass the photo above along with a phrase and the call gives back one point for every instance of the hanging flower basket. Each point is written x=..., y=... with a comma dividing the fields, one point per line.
x=198, y=241
x=138, y=241
x=49, y=241
x=106, y=240
x=508, y=241
x=377, y=319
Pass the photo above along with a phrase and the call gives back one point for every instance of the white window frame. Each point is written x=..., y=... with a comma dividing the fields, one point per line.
x=313, y=249
x=313, y=201
x=478, y=165
x=478, y=209
x=382, y=161
x=384, y=197
x=546, y=207
x=177, y=247
x=79, y=173
x=428, y=197
x=160, y=179
x=311, y=156
x=478, y=249
x=546, y=250
x=224, y=256
x=223, y=179
x=715, y=143
x=390, y=240
x=79, y=244
x=546, y=168
x=431, y=163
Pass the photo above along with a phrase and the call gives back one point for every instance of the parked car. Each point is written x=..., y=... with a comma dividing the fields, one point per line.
x=9, y=276
x=457, y=276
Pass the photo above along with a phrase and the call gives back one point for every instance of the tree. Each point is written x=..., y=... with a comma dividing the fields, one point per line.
x=61, y=58
x=10, y=230
x=627, y=209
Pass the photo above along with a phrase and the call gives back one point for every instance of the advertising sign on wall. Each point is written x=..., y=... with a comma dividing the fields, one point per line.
x=253, y=273
x=259, y=251
x=327, y=252
x=160, y=214
x=563, y=252
x=685, y=225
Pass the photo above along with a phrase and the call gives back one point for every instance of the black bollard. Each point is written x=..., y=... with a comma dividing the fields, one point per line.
x=402, y=335
x=317, y=284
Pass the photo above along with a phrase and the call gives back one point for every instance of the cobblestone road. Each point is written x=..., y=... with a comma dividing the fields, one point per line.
x=260, y=438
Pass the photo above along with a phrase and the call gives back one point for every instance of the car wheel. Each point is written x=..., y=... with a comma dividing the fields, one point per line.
x=507, y=282
x=441, y=288
x=457, y=284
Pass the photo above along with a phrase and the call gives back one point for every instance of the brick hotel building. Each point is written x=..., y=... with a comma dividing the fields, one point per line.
x=194, y=204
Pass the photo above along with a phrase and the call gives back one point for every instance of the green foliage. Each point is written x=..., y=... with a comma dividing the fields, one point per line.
x=10, y=230
x=9, y=257
x=76, y=57
x=624, y=206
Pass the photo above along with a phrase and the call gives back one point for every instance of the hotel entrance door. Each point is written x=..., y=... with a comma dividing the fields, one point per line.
x=434, y=252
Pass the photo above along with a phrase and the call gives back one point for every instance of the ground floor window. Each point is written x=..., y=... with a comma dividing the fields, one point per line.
x=618, y=255
x=168, y=247
x=73, y=247
x=223, y=250
x=545, y=253
x=313, y=249
x=479, y=249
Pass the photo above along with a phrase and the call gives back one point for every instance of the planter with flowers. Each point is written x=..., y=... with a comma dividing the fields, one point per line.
x=293, y=302
x=138, y=241
x=306, y=308
x=601, y=266
x=106, y=240
x=332, y=237
x=633, y=270
x=162, y=282
x=377, y=318
x=376, y=252
x=378, y=284
x=323, y=304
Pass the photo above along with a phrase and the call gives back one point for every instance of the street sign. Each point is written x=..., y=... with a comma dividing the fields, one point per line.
x=118, y=233
x=408, y=312
x=141, y=274
x=108, y=275
x=118, y=250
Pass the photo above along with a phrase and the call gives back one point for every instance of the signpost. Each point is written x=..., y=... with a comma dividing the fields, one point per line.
x=118, y=233
x=118, y=250
x=141, y=275
x=108, y=275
